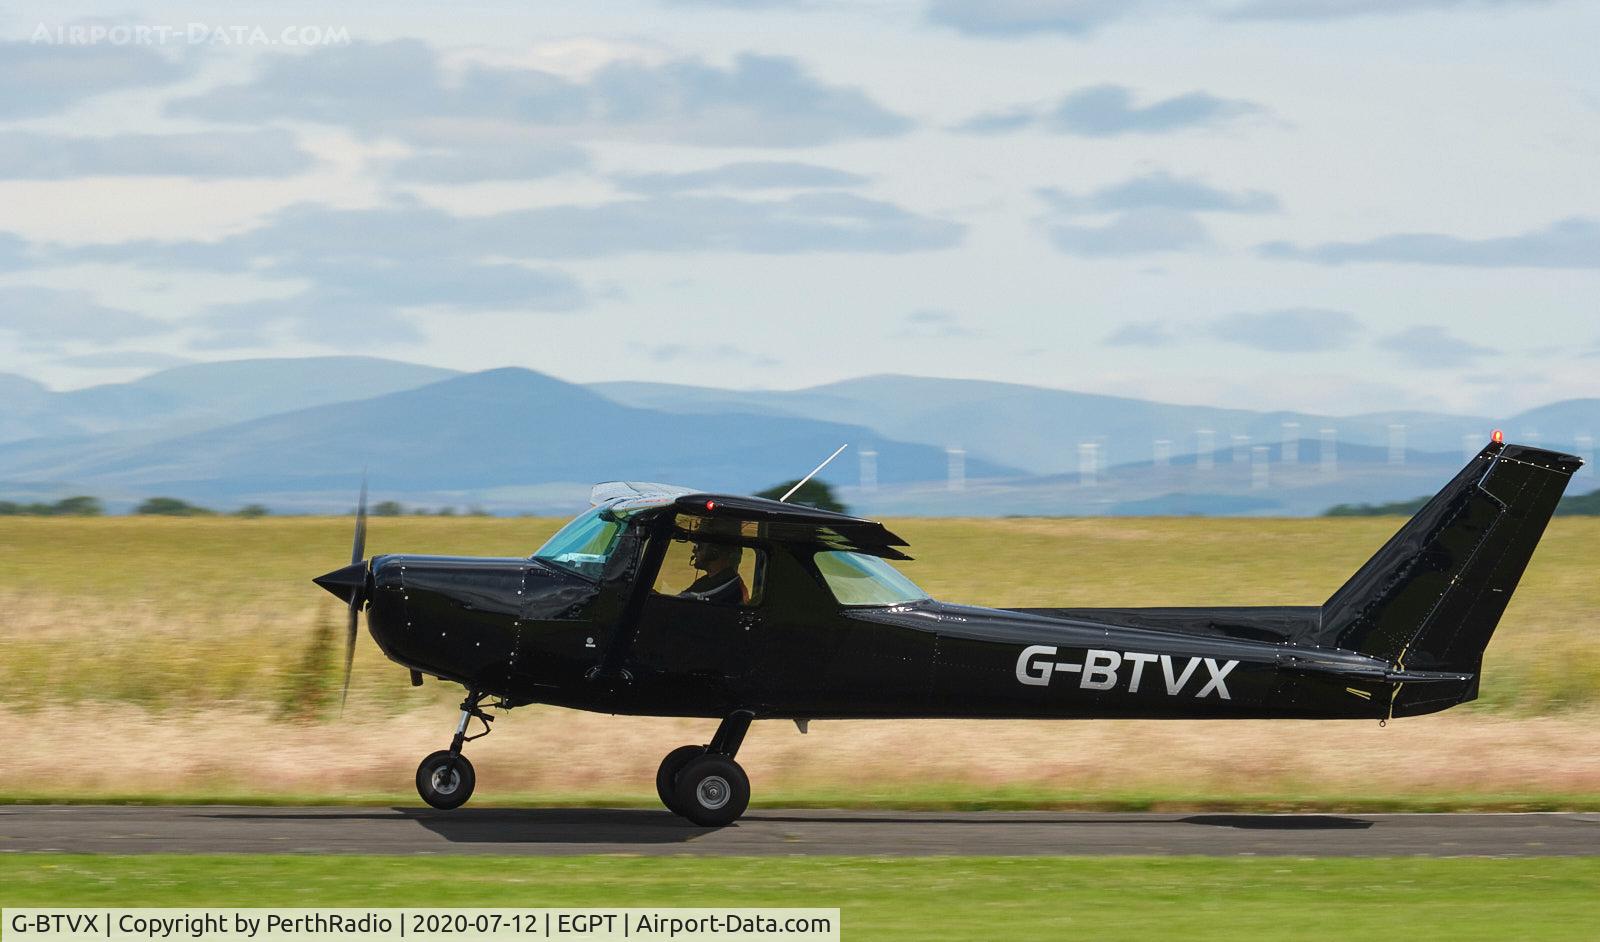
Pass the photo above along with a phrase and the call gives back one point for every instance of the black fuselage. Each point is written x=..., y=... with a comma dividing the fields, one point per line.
x=530, y=632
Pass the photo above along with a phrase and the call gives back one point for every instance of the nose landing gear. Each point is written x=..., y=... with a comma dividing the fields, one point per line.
x=445, y=779
x=704, y=783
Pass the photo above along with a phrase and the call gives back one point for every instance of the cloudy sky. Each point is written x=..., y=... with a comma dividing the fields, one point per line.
x=1341, y=205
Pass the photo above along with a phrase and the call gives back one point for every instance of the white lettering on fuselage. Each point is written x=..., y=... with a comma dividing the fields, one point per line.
x=1101, y=670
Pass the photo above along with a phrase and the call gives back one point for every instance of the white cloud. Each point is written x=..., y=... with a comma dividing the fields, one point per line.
x=1433, y=347
x=1113, y=110
x=400, y=89
x=33, y=155
x=47, y=319
x=1136, y=232
x=1567, y=243
x=1289, y=330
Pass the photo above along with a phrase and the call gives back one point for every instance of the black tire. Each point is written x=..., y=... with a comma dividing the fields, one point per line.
x=667, y=774
x=445, y=781
x=712, y=791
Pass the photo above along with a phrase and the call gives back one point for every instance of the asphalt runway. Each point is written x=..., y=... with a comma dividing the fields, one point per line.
x=250, y=830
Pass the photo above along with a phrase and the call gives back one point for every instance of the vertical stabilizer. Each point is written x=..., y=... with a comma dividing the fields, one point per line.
x=1431, y=597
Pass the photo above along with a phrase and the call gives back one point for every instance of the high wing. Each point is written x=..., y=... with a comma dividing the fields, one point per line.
x=644, y=492
x=773, y=520
x=793, y=523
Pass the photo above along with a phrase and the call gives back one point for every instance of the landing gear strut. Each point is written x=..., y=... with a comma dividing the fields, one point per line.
x=704, y=783
x=445, y=778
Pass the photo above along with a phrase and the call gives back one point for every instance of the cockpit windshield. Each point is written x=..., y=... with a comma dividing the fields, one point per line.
x=584, y=545
x=859, y=579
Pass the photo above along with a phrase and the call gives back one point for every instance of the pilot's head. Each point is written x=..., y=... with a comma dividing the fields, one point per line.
x=707, y=556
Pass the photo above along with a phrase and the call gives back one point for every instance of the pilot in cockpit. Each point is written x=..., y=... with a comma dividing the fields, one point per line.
x=720, y=582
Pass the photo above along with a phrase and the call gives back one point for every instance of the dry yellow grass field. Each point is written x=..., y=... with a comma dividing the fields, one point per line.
x=176, y=657
x=541, y=755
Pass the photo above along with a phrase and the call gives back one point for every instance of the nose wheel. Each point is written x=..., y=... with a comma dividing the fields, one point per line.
x=703, y=783
x=445, y=779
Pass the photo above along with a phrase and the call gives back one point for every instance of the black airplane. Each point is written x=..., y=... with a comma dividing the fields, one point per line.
x=665, y=601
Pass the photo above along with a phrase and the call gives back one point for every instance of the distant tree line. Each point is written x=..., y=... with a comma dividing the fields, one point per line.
x=173, y=507
x=393, y=508
x=85, y=506
x=1573, y=505
x=1394, y=508
x=81, y=506
x=814, y=493
x=1587, y=505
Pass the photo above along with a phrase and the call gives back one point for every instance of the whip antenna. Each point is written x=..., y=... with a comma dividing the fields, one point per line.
x=813, y=473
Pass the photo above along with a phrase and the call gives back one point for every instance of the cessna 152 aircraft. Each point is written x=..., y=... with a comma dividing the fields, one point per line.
x=667, y=601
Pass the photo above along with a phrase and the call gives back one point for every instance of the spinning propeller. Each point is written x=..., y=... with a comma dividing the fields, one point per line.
x=351, y=582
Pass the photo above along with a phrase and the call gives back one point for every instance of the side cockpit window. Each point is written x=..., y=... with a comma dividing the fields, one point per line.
x=706, y=562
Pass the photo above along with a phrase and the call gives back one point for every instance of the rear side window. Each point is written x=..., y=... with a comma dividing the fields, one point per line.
x=858, y=579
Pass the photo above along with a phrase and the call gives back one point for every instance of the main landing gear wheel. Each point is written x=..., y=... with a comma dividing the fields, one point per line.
x=445, y=780
x=667, y=774
x=712, y=791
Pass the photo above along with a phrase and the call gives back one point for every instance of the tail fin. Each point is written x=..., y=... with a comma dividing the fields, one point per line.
x=1431, y=597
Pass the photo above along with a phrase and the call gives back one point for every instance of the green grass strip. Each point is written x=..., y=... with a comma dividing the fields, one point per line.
x=896, y=898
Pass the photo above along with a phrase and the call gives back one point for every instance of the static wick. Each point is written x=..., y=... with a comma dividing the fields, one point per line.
x=801, y=483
